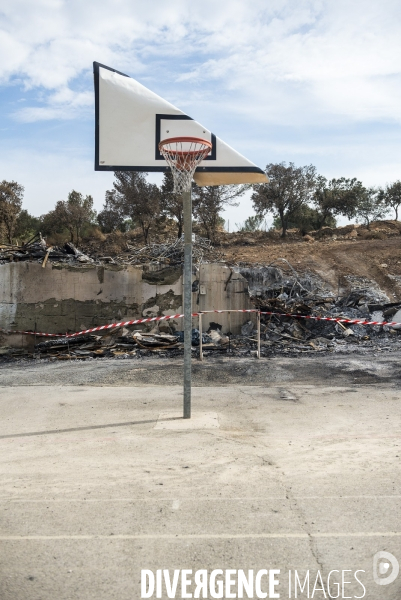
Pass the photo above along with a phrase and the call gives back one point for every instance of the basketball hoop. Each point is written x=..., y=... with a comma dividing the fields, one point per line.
x=183, y=155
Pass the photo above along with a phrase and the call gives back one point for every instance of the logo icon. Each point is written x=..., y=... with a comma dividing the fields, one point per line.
x=385, y=568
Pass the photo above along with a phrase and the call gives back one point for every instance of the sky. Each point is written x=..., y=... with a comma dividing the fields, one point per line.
x=306, y=81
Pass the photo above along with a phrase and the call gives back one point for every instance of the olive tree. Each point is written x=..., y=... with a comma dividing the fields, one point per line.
x=391, y=196
x=337, y=197
x=370, y=207
x=11, y=195
x=73, y=214
x=208, y=202
x=289, y=189
x=135, y=198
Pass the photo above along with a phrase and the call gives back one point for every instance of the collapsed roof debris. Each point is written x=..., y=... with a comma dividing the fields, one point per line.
x=36, y=249
x=170, y=252
x=285, y=291
x=289, y=285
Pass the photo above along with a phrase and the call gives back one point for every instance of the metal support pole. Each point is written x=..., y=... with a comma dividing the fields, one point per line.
x=187, y=205
x=200, y=338
x=229, y=331
x=258, y=320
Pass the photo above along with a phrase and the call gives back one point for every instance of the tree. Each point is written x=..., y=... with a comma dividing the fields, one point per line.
x=208, y=202
x=11, y=194
x=306, y=219
x=391, y=196
x=50, y=223
x=171, y=203
x=111, y=217
x=288, y=189
x=136, y=199
x=27, y=225
x=73, y=214
x=370, y=207
x=337, y=197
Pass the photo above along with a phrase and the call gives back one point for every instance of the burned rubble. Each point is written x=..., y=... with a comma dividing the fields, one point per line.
x=36, y=249
x=169, y=252
x=304, y=299
x=290, y=304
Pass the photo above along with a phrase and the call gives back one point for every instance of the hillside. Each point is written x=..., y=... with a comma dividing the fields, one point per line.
x=332, y=254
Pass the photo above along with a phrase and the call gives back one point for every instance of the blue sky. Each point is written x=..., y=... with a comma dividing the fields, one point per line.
x=311, y=81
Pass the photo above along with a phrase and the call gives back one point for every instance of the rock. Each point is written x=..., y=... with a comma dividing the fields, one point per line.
x=353, y=234
x=308, y=238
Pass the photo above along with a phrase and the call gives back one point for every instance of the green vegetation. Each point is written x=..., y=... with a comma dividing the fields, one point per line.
x=306, y=219
x=296, y=197
x=299, y=197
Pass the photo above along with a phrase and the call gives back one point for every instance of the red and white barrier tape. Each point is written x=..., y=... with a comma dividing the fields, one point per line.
x=100, y=328
x=8, y=331
x=167, y=317
x=334, y=319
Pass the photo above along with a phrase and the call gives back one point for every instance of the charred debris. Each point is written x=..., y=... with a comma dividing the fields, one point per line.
x=169, y=252
x=275, y=288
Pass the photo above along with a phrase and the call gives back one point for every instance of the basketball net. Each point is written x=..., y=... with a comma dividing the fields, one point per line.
x=183, y=155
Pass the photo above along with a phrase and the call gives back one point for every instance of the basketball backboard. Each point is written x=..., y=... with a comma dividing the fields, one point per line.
x=131, y=121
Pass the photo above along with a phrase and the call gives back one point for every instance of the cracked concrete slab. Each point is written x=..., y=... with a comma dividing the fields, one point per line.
x=92, y=490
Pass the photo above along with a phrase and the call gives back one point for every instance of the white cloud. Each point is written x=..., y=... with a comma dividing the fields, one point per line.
x=334, y=60
x=323, y=58
x=62, y=104
x=269, y=77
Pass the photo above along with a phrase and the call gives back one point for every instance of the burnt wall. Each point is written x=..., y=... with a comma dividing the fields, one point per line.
x=65, y=298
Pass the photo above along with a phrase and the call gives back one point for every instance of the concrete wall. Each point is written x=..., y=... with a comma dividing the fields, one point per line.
x=60, y=299
x=224, y=289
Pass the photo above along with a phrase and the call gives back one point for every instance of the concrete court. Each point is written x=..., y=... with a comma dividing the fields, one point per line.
x=95, y=487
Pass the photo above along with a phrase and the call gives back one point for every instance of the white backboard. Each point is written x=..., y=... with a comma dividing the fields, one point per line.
x=131, y=121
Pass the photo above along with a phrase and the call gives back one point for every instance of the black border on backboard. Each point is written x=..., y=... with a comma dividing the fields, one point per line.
x=96, y=66
x=161, y=169
x=158, y=156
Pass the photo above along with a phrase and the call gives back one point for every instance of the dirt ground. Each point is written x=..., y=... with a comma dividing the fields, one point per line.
x=330, y=253
x=215, y=371
x=377, y=260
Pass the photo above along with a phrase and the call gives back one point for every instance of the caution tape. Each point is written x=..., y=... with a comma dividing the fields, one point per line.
x=334, y=319
x=99, y=328
x=180, y=316
x=8, y=331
